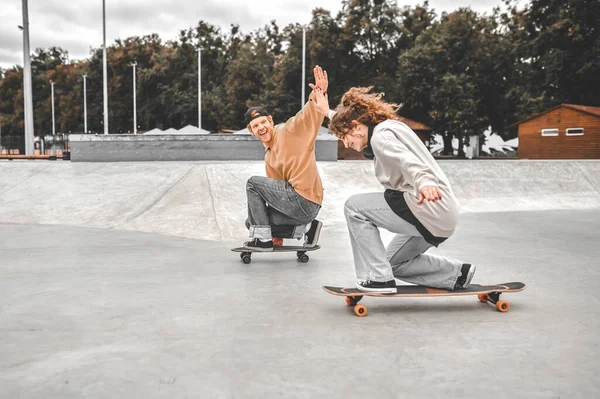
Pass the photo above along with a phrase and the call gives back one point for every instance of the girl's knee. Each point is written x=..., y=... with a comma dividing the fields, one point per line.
x=350, y=206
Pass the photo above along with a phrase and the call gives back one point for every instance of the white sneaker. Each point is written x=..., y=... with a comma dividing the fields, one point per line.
x=388, y=287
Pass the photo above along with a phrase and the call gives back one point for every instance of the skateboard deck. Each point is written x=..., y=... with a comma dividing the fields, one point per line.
x=246, y=253
x=485, y=293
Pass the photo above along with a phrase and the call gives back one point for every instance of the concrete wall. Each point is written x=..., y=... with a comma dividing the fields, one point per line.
x=207, y=200
x=216, y=147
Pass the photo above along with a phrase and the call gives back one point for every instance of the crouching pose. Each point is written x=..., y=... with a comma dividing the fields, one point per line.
x=286, y=202
x=418, y=204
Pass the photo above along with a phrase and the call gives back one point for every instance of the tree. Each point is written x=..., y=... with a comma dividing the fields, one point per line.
x=563, y=40
x=445, y=77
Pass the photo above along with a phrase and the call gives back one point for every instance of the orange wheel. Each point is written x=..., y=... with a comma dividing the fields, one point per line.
x=502, y=306
x=360, y=310
x=482, y=297
x=348, y=301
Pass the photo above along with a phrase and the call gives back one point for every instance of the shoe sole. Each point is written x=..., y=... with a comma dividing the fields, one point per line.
x=377, y=290
x=254, y=249
x=258, y=249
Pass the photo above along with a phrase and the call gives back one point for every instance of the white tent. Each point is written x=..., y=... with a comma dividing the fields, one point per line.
x=154, y=131
x=191, y=129
x=514, y=143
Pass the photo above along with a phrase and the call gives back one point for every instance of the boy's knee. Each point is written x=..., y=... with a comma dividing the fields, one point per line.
x=251, y=183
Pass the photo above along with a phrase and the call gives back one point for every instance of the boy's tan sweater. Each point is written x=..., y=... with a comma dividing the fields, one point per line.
x=290, y=155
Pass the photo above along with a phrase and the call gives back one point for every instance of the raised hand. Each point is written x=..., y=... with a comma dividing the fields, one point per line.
x=321, y=101
x=321, y=80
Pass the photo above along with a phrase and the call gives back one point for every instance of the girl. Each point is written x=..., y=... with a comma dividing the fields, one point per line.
x=418, y=204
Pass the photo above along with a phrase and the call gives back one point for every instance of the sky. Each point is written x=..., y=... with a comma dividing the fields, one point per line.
x=76, y=26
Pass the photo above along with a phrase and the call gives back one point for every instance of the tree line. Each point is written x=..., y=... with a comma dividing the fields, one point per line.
x=458, y=72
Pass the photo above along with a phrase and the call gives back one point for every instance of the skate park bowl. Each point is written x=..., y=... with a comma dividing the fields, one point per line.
x=118, y=280
x=207, y=200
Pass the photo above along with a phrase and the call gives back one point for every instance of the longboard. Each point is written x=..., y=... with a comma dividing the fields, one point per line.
x=246, y=253
x=485, y=293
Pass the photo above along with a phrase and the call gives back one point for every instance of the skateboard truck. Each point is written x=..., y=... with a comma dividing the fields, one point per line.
x=494, y=297
x=246, y=257
x=246, y=254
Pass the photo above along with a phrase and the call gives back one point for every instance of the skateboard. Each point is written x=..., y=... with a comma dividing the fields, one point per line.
x=485, y=293
x=246, y=253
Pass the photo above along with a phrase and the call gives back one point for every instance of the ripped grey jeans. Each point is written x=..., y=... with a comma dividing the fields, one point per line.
x=404, y=257
x=275, y=209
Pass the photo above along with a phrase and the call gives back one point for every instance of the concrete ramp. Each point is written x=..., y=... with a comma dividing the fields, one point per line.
x=208, y=200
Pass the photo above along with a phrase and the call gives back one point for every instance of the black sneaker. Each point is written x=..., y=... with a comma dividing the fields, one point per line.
x=258, y=245
x=466, y=275
x=311, y=238
x=389, y=287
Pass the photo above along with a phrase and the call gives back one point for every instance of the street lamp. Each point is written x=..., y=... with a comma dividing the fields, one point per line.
x=303, y=64
x=84, y=104
x=53, y=123
x=133, y=64
x=199, y=87
x=104, y=73
x=27, y=85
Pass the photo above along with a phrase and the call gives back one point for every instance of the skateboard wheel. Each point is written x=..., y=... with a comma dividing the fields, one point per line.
x=242, y=255
x=482, y=297
x=299, y=254
x=247, y=259
x=353, y=300
x=502, y=306
x=360, y=310
x=303, y=258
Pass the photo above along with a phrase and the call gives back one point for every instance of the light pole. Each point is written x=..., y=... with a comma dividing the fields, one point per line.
x=133, y=64
x=84, y=104
x=105, y=79
x=199, y=87
x=303, y=64
x=53, y=122
x=27, y=86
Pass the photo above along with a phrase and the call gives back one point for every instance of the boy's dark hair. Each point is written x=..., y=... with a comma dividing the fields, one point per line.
x=253, y=113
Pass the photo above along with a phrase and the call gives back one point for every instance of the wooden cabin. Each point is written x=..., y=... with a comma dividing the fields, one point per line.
x=566, y=131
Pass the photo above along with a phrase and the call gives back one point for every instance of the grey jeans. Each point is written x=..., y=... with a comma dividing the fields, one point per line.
x=404, y=257
x=275, y=209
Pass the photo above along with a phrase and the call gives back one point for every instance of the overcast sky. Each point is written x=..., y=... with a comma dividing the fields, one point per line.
x=76, y=26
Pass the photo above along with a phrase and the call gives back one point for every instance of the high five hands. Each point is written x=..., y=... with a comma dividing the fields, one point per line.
x=321, y=80
x=320, y=90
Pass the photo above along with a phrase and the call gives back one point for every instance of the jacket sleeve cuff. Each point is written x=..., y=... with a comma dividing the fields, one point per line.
x=426, y=183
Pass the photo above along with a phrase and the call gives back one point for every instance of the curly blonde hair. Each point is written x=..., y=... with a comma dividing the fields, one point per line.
x=359, y=104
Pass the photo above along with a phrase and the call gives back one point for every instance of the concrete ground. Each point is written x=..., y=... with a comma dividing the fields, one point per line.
x=96, y=313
